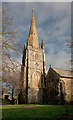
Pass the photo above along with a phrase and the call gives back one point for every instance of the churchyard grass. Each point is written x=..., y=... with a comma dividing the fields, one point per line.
x=34, y=111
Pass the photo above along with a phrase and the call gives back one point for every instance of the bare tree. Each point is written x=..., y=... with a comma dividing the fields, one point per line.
x=12, y=80
x=72, y=52
x=9, y=46
x=10, y=51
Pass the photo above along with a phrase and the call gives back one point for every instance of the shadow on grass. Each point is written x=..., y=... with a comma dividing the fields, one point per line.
x=32, y=119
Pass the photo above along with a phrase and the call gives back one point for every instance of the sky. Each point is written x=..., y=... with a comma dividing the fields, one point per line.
x=37, y=0
x=53, y=22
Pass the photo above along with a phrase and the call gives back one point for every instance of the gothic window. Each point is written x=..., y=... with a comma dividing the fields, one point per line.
x=36, y=80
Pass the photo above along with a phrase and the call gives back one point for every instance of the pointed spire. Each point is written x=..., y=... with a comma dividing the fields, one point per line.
x=42, y=46
x=32, y=37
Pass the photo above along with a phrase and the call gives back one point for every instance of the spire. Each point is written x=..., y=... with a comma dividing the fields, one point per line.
x=32, y=37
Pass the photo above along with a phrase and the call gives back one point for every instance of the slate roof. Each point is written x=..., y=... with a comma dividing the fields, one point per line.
x=64, y=73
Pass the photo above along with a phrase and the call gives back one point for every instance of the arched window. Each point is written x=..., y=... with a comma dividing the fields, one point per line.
x=36, y=80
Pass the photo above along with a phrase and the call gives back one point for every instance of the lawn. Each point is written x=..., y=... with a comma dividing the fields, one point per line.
x=32, y=111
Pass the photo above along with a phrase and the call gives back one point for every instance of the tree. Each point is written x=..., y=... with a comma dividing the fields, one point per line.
x=9, y=46
x=10, y=51
x=70, y=51
x=12, y=80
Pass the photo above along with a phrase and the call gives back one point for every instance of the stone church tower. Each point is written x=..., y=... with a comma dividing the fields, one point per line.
x=33, y=66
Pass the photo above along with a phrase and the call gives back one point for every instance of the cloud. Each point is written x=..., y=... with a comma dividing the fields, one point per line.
x=58, y=60
x=37, y=0
x=53, y=21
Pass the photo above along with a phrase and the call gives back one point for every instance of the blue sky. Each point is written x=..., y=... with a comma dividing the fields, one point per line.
x=53, y=22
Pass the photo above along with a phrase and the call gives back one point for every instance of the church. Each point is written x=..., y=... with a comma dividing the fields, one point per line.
x=34, y=79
